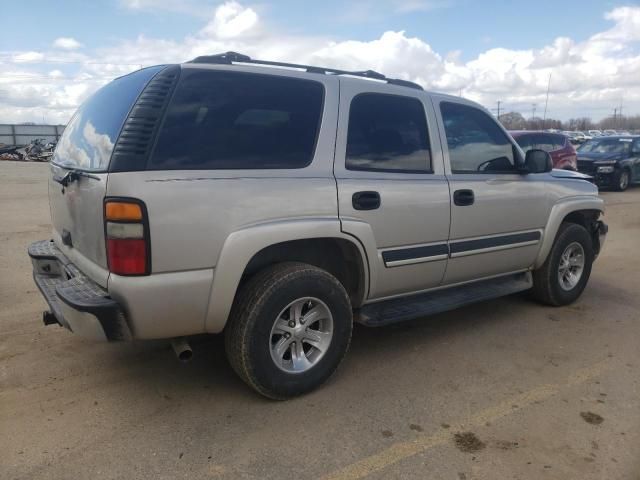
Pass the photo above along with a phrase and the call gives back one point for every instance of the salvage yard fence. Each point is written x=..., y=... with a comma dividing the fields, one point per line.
x=11, y=134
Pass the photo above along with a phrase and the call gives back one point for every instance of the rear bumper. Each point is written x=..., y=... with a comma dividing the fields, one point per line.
x=78, y=303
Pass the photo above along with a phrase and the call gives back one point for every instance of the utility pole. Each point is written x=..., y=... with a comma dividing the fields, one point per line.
x=499, y=102
x=615, y=118
x=533, y=115
x=546, y=102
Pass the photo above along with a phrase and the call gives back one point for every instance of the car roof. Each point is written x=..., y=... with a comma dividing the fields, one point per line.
x=620, y=137
x=233, y=58
x=527, y=132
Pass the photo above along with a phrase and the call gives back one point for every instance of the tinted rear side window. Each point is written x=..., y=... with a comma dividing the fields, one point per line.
x=525, y=141
x=387, y=133
x=235, y=120
x=559, y=142
x=89, y=138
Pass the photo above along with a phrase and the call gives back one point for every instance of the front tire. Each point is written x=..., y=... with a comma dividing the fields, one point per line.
x=621, y=180
x=564, y=275
x=289, y=329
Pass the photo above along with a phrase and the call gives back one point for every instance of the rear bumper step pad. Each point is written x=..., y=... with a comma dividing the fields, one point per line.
x=78, y=303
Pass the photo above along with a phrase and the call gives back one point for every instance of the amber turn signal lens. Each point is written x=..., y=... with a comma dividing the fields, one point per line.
x=122, y=211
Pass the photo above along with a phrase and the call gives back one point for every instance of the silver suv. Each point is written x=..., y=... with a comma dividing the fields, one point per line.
x=280, y=203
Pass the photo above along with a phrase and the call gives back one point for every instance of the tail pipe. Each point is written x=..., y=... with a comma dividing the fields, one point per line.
x=182, y=349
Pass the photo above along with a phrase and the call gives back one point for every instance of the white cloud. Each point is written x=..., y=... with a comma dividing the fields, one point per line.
x=66, y=43
x=588, y=77
x=231, y=20
x=27, y=57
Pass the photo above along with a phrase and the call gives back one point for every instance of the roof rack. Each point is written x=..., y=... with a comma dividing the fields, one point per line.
x=230, y=58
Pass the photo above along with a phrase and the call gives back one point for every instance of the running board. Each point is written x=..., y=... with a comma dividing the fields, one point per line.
x=412, y=307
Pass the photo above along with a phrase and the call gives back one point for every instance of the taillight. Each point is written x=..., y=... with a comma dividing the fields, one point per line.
x=127, y=237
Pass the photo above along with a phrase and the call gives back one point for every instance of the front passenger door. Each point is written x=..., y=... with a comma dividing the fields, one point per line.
x=497, y=213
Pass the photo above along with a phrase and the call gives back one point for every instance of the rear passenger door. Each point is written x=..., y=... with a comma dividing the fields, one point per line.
x=497, y=213
x=392, y=192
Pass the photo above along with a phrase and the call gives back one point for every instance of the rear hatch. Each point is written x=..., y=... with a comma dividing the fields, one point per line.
x=79, y=172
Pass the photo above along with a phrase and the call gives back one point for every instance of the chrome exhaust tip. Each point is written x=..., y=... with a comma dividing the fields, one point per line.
x=182, y=349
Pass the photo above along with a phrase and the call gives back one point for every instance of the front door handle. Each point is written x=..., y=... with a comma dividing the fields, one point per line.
x=463, y=198
x=366, y=200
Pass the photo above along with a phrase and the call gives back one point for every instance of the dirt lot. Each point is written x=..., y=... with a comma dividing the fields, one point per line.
x=503, y=389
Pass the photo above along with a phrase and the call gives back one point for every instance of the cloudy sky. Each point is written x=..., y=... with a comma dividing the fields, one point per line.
x=484, y=50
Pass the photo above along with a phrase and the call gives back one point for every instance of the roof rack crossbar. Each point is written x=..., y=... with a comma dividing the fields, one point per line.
x=230, y=58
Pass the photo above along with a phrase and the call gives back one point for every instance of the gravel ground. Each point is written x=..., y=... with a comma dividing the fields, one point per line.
x=502, y=389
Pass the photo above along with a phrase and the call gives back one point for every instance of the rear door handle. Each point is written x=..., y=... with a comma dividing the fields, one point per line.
x=463, y=198
x=366, y=200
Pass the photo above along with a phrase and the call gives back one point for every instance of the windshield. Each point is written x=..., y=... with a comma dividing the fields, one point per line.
x=607, y=145
x=89, y=138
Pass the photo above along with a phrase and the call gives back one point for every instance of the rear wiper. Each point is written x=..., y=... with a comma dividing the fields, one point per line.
x=73, y=175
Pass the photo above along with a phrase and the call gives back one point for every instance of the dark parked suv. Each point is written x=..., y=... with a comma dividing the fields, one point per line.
x=612, y=161
x=563, y=154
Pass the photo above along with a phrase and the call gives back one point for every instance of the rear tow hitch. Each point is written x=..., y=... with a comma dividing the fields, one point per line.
x=49, y=318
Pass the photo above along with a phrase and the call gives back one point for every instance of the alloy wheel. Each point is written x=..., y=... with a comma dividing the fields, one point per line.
x=301, y=335
x=571, y=266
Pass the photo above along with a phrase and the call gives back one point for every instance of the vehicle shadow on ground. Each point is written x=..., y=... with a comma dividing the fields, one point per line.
x=156, y=366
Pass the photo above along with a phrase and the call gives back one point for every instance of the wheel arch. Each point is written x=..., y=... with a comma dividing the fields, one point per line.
x=338, y=256
x=318, y=242
x=579, y=210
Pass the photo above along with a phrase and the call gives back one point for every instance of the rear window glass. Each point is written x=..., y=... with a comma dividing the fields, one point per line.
x=235, y=120
x=89, y=138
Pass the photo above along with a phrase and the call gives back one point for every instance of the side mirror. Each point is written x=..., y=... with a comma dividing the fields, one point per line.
x=537, y=161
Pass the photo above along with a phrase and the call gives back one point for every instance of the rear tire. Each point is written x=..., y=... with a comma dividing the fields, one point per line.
x=564, y=275
x=289, y=329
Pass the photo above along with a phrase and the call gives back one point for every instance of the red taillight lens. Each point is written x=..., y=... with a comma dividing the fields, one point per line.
x=127, y=256
x=126, y=237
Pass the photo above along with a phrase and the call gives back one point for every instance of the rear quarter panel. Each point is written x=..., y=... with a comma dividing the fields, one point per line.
x=196, y=214
x=191, y=213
